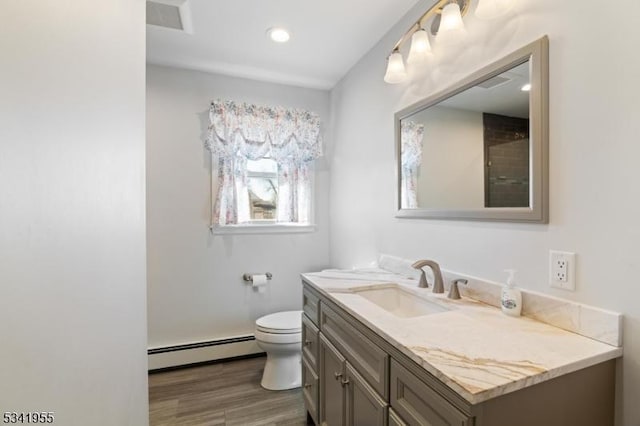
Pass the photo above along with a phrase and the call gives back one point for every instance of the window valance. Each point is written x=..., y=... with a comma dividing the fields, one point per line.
x=252, y=131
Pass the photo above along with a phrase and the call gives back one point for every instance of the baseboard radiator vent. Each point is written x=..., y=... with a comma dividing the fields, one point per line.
x=161, y=358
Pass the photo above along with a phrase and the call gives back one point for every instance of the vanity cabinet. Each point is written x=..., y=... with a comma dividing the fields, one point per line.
x=346, y=375
x=353, y=376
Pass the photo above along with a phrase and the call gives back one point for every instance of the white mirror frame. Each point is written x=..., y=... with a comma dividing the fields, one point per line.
x=538, y=211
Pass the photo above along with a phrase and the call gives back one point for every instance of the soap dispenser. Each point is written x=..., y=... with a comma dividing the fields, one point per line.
x=511, y=301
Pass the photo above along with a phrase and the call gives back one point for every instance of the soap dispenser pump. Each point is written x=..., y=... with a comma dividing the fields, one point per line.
x=511, y=300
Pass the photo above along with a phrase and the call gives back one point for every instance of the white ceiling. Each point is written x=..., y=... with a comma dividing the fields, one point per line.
x=229, y=37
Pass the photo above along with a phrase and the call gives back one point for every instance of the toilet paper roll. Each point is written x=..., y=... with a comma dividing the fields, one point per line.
x=260, y=282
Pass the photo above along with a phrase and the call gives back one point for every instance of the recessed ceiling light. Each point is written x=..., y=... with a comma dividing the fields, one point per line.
x=279, y=35
x=526, y=87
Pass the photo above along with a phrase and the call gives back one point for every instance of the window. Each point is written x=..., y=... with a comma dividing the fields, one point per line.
x=262, y=176
x=263, y=157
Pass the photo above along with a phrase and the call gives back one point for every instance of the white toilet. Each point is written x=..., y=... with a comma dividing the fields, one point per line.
x=280, y=336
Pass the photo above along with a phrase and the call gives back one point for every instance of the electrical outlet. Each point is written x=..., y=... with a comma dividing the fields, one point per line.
x=562, y=266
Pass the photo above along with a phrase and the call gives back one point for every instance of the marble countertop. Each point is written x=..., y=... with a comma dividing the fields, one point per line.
x=472, y=347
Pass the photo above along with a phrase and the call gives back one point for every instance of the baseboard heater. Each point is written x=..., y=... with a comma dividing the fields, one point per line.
x=194, y=353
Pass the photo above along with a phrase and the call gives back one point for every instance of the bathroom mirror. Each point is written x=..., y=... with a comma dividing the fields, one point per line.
x=478, y=150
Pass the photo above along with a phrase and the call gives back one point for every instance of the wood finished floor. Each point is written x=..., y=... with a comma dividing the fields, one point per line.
x=227, y=393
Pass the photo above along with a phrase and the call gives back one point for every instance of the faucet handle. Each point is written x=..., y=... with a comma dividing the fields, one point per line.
x=454, y=293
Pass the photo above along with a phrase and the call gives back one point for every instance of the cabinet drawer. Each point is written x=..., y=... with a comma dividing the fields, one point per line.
x=371, y=361
x=310, y=392
x=310, y=344
x=418, y=404
x=310, y=305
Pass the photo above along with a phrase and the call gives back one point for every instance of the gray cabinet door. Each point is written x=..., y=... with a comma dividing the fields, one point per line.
x=310, y=385
x=367, y=357
x=419, y=404
x=394, y=419
x=364, y=407
x=331, y=388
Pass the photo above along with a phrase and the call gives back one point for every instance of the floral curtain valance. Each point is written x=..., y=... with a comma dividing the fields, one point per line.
x=239, y=132
x=252, y=131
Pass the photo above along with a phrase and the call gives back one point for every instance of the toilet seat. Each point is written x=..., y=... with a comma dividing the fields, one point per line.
x=282, y=338
x=288, y=322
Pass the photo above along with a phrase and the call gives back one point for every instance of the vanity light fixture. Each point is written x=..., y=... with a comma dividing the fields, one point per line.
x=526, y=87
x=445, y=23
x=279, y=35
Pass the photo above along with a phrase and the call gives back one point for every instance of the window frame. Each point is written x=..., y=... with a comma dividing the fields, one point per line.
x=268, y=226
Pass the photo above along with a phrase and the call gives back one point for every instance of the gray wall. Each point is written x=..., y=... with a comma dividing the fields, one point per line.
x=594, y=154
x=195, y=286
x=72, y=211
x=452, y=169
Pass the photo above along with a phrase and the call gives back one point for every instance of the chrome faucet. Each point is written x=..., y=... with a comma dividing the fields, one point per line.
x=438, y=286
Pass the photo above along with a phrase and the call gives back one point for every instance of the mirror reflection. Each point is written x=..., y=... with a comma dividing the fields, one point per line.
x=471, y=150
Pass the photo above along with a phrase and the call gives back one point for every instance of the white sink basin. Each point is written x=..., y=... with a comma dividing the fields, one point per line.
x=400, y=302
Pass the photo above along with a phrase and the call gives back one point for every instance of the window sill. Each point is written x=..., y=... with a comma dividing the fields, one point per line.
x=270, y=228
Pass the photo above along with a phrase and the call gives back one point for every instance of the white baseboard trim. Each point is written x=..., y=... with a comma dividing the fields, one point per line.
x=194, y=353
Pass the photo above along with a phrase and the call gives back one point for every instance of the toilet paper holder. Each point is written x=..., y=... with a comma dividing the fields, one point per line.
x=249, y=277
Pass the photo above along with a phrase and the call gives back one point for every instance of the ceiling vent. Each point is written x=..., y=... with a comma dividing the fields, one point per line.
x=493, y=82
x=172, y=14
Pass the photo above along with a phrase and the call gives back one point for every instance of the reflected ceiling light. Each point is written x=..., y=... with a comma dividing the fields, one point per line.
x=420, y=47
x=526, y=87
x=489, y=9
x=445, y=21
x=396, y=72
x=279, y=35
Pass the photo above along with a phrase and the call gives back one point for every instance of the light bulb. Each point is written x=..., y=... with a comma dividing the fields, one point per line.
x=490, y=9
x=395, y=69
x=279, y=35
x=451, y=18
x=420, y=47
x=526, y=87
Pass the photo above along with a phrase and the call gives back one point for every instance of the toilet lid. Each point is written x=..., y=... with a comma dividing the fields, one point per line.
x=281, y=322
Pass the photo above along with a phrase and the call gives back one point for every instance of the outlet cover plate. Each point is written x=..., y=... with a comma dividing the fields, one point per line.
x=562, y=270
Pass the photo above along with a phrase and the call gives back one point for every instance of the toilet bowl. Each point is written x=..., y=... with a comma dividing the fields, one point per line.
x=280, y=336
